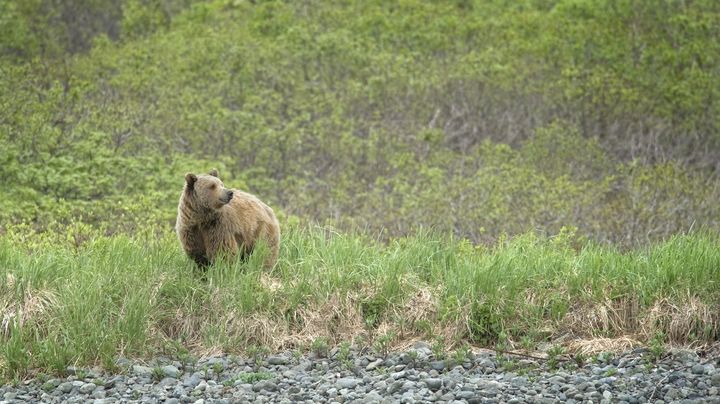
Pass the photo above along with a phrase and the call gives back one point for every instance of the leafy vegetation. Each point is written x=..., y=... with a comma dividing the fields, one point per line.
x=472, y=117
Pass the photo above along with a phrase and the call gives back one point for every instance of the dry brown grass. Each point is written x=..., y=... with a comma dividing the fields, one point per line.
x=337, y=318
x=617, y=316
x=408, y=321
x=594, y=346
x=620, y=324
x=685, y=322
x=590, y=327
x=30, y=309
x=270, y=283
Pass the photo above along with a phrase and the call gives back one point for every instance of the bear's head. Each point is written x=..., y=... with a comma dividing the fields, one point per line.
x=206, y=191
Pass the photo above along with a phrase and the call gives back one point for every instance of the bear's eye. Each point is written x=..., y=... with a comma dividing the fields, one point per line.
x=213, y=186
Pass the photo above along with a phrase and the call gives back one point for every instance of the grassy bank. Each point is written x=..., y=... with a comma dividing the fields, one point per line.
x=66, y=303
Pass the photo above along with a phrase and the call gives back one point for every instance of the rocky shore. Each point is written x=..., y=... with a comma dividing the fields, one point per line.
x=413, y=376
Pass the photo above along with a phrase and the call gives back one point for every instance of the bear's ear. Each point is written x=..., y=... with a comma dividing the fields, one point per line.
x=190, y=179
x=213, y=172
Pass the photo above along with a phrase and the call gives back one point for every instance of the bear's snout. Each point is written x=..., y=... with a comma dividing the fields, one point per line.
x=229, y=196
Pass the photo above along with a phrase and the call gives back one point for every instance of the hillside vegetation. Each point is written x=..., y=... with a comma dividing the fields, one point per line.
x=491, y=172
x=476, y=118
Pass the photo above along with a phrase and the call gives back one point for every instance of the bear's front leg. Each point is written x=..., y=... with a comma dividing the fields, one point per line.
x=200, y=259
x=220, y=243
x=194, y=245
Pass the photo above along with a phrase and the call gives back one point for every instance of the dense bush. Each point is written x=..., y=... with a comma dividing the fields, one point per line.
x=473, y=117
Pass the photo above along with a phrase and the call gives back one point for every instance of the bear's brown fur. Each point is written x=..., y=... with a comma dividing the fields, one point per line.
x=213, y=219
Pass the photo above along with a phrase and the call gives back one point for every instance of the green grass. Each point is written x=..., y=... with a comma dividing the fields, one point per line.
x=64, y=304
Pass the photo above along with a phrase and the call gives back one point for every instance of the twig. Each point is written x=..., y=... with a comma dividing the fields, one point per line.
x=527, y=355
x=652, y=395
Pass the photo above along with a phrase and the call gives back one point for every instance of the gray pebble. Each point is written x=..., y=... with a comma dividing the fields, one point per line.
x=65, y=387
x=278, y=360
x=122, y=362
x=142, y=370
x=373, y=365
x=395, y=387
x=398, y=375
x=698, y=369
x=265, y=385
x=373, y=397
x=433, y=383
x=171, y=371
x=466, y=395
x=87, y=388
x=192, y=381
x=557, y=380
x=347, y=383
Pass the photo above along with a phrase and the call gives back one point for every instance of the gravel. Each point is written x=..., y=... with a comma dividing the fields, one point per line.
x=415, y=376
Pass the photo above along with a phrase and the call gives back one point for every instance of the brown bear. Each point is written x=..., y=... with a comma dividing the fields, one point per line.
x=213, y=219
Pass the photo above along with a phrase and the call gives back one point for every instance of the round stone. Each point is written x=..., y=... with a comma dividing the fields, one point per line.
x=347, y=383
x=433, y=384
